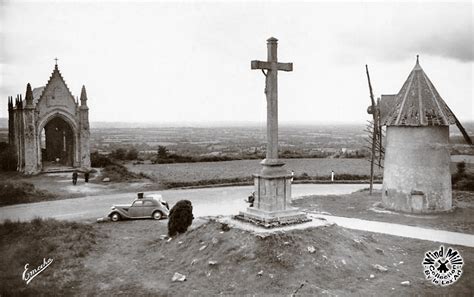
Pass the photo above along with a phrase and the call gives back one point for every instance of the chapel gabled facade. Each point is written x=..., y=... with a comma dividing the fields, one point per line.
x=49, y=128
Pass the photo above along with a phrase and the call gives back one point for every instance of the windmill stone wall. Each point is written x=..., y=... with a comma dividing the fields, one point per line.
x=417, y=176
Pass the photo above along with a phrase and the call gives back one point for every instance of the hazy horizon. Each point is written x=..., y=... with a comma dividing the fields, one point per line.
x=179, y=124
x=190, y=61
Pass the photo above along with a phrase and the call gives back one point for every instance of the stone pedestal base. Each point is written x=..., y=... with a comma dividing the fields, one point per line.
x=272, y=198
x=274, y=218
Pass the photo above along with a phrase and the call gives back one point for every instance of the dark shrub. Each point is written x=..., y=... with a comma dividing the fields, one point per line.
x=8, y=157
x=119, y=154
x=460, y=174
x=98, y=160
x=180, y=218
x=462, y=180
x=302, y=176
x=132, y=154
x=162, y=152
x=117, y=173
x=20, y=192
x=461, y=167
x=466, y=184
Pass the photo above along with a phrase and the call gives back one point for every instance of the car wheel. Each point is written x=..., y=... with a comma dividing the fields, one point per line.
x=157, y=215
x=115, y=217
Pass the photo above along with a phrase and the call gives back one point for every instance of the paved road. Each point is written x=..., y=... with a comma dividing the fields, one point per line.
x=223, y=201
x=402, y=230
x=206, y=202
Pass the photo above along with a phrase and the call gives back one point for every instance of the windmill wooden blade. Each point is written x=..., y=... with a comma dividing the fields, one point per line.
x=372, y=110
x=370, y=88
x=381, y=150
x=464, y=133
x=461, y=128
x=379, y=134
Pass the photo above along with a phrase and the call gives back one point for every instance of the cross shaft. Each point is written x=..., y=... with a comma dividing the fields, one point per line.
x=271, y=90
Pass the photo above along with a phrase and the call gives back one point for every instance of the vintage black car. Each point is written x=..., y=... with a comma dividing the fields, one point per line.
x=149, y=206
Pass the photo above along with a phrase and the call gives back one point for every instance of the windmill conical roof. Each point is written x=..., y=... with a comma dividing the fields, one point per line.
x=418, y=103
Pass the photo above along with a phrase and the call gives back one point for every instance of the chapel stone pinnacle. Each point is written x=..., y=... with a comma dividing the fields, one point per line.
x=29, y=96
x=83, y=96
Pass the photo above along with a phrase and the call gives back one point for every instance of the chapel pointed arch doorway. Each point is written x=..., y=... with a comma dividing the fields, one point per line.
x=57, y=143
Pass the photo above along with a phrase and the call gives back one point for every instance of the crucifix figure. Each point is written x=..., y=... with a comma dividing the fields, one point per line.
x=271, y=90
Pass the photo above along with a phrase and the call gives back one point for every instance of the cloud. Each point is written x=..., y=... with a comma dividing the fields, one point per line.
x=456, y=45
x=399, y=31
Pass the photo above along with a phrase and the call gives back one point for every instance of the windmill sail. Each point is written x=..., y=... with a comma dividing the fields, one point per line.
x=376, y=133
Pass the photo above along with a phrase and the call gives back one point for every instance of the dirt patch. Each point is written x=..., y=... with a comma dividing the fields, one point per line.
x=55, y=186
x=133, y=259
x=361, y=205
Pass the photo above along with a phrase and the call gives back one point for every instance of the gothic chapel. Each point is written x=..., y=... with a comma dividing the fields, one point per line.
x=48, y=128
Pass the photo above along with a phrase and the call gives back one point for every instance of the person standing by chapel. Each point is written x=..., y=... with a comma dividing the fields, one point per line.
x=86, y=176
x=74, y=177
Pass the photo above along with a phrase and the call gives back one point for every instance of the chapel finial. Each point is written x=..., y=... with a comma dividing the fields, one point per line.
x=417, y=59
x=29, y=95
x=83, y=96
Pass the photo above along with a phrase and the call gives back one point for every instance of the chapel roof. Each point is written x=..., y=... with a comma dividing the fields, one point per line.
x=38, y=92
x=417, y=104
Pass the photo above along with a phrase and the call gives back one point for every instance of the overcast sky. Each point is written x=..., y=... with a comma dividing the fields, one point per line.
x=175, y=62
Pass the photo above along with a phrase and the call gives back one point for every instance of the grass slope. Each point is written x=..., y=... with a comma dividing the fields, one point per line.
x=133, y=260
x=64, y=242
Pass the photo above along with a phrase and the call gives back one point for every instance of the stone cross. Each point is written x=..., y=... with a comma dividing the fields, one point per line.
x=56, y=59
x=271, y=90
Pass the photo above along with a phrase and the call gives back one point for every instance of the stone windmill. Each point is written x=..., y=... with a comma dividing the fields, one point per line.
x=417, y=175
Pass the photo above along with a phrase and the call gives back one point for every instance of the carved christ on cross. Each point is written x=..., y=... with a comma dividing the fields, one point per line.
x=271, y=90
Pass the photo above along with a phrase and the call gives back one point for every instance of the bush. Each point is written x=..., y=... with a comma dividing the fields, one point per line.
x=98, y=160
x=20, y=192
x=123, y=154
x=352, y=177
x=461, y=167
x=117, y=173
x=462, y=180
x=132, y=154
x=119, y=154
x=8, y=158
x=466, y=184
x=337, y=177
x=162, y=152
x=209, y=182
x=180, y=217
